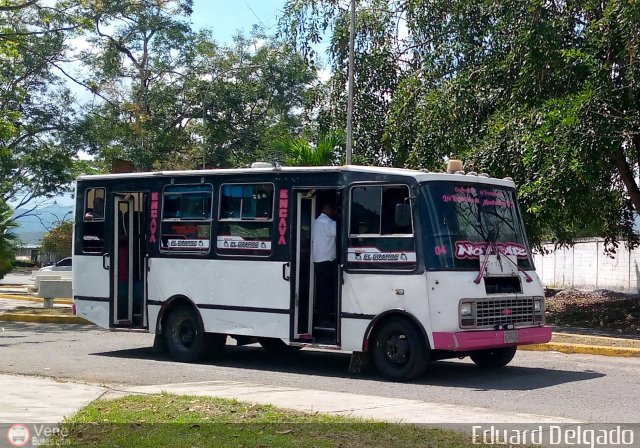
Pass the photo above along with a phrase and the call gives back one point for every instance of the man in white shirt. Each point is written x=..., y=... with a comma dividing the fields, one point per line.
x=323, y=253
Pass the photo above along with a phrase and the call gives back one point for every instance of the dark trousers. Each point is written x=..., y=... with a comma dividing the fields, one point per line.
x=326, y=286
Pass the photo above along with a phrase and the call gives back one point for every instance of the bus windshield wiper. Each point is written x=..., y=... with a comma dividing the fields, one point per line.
x=491, y=246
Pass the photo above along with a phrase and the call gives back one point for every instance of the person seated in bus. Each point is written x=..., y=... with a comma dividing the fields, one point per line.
x=323, y=254
x=98, y=209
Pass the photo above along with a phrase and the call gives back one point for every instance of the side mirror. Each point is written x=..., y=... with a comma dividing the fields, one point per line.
x=403, y=215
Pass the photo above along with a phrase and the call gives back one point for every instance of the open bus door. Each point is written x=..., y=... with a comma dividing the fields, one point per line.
x=128, y=261
x=308, y=325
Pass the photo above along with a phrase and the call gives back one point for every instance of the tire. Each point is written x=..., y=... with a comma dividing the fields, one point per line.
x=400, y=352
x=275, y=345
x=493, y=358
x=185, y=338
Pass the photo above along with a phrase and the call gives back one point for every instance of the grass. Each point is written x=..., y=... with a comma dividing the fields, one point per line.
x=57, y=311
x=185, y=421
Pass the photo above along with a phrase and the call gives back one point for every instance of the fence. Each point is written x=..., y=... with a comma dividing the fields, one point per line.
x=585, y=266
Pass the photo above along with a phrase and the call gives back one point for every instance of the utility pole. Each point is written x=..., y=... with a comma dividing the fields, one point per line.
x=204, y=132
x=352, y=32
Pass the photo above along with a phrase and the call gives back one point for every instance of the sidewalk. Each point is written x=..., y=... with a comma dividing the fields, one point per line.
x=26, y=399
x=394, y=410
x=40, y=400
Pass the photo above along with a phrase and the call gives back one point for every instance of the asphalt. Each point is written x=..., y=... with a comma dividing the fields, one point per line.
x=35, y=399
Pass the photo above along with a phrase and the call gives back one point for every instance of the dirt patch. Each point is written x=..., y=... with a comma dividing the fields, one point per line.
x=55, y=311
x=595, y=340
x=601, y=310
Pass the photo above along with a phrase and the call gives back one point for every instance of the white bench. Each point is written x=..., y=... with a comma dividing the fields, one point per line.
x=38, y=276
x=54, y=289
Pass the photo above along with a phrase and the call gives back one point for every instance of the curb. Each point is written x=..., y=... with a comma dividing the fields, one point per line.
x=583, y=349
x=42, y=319
x=34, y=299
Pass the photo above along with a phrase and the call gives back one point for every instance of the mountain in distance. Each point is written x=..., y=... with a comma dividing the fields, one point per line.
x=32, y=228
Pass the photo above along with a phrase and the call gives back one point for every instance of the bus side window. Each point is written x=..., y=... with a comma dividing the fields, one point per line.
x=245, y=219
x=186, y=218
x=93, y=221
x=376, y=240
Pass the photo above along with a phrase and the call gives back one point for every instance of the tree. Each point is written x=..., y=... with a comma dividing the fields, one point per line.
x=58, y=240
x=168, y=97
x=137, y=69
x=34, y=111
x=380, y=67
x=262, y=91
x=7, y=239
x=300, y=152
x=546, y=92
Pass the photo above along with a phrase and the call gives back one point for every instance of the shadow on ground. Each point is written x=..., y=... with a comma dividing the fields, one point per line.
x=336, y=364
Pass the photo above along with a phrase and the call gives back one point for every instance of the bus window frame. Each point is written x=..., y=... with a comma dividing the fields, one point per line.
x=96, y=220
x=350, y=235
x=240, y=220
x=211, y=220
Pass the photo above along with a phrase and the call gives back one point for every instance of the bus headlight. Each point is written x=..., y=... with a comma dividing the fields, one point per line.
x=537, y=305
x=465, y=309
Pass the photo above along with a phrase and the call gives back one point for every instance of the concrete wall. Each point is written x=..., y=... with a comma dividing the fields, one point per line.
x=586, y=266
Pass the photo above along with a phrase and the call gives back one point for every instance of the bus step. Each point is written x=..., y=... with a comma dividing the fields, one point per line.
x=325, y=329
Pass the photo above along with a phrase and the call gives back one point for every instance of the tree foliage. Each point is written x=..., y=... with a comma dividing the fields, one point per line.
x=34, y=103
x=7, y=239
x=58, y=241
x=546, y=92
x=298, y=151
x=169, y=97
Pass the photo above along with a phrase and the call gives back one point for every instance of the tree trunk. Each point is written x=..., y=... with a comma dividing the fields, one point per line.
x=627, y=175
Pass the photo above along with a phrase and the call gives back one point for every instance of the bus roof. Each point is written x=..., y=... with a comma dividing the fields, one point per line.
x=420, y=176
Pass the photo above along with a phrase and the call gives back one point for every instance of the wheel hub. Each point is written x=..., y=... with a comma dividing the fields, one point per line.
x=397, y=349
x=186, y=334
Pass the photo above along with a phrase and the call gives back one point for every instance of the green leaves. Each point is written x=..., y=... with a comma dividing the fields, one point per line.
x=58, y=241
x=300, y=152
x=546, y=92
x=7, y=239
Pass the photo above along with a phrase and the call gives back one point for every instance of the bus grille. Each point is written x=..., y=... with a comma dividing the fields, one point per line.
x=490, y=313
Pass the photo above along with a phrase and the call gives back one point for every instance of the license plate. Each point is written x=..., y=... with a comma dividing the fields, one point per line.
x=510, y=336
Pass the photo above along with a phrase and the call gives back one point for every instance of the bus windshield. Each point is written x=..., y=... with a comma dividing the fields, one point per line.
x=464, y=219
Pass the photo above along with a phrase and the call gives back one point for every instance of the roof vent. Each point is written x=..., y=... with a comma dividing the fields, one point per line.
x=454, y=166
x=483, y=175
x=472, y=173
x=261, y=165
x=459, y=172
x=508, y=178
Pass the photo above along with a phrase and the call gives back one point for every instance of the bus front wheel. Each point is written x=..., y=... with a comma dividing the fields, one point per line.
x=185, y=338
x=399, y=352
x=493, y=358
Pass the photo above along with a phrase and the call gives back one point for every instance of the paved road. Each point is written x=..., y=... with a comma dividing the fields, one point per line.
x=16, y=278
x=586, y=388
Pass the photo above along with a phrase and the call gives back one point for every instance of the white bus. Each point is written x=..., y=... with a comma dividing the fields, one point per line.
x=428, y=266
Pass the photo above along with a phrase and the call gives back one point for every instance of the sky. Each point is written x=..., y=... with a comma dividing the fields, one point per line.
x=227, y=17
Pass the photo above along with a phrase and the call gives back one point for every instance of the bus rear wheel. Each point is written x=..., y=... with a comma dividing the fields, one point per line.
x=185, y=338
x=400, y=352
x=275, y=345
x=493, y=358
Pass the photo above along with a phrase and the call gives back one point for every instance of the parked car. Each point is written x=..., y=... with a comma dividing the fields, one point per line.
x=62, y=265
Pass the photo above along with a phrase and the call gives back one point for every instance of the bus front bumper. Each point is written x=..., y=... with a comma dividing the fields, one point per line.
x=463, y=341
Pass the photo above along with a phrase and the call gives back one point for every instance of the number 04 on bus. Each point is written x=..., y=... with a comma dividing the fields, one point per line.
x=427, y=266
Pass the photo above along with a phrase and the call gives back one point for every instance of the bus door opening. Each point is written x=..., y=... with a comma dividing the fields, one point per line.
x=128, y=264
x=316, y=270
